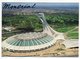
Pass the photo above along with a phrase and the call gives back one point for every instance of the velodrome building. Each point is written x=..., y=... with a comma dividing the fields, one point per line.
x=33, y=41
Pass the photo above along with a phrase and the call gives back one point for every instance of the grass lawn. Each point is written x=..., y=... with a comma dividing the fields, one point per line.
x=72, y=34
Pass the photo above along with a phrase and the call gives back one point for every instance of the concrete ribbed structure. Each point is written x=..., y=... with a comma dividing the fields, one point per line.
x=33, y=40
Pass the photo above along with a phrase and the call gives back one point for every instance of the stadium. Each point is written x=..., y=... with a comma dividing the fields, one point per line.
x=33, y=41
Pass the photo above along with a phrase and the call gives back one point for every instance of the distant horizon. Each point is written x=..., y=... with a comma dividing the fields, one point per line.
x=46, y=5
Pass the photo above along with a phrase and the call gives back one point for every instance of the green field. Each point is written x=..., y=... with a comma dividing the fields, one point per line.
x=70, y=31
x=61, y=22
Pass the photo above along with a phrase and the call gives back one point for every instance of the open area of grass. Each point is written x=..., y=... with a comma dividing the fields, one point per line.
x=72, y=32
x=64, y=28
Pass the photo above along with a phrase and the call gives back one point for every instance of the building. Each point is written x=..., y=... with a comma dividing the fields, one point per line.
x=33, y=41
